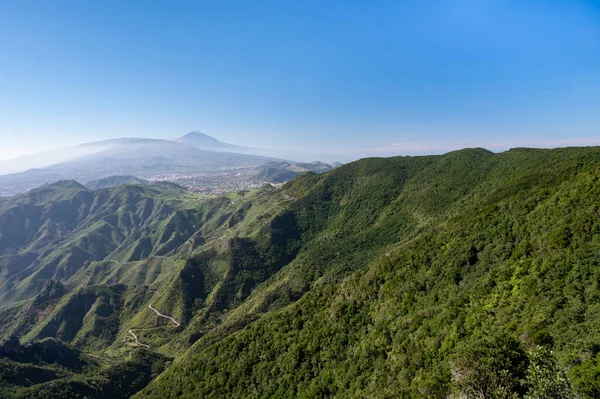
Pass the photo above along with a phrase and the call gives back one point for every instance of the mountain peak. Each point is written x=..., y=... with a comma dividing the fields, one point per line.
x=69, y=183
x=199, y=137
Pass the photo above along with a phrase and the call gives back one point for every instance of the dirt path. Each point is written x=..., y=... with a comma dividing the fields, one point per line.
x=165, y=316
x=135, y=338
x=131, y=331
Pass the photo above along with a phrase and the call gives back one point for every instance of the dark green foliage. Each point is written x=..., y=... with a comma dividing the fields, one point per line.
x=469, y=274
x=99, y=306
x=469, y=257
x=97, y=381
x=544, y=378
x=491, y=366
x=586, y=377
x=47, y=351
x=52, y=290
x=25, y=375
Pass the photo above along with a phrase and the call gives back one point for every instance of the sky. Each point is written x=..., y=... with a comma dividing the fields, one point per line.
x=347, y=78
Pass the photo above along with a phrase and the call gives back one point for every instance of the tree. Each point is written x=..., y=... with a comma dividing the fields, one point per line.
x=544, y=378
x=491, y=367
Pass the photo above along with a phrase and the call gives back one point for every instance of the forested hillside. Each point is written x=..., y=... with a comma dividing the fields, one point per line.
x=466, y=275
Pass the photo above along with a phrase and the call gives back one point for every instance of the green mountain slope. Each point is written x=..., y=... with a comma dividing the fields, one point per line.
x=280, y=172
x=416, y=273
x=49, y=369
x=55, y=231
x=114, y=181
x=459, y=275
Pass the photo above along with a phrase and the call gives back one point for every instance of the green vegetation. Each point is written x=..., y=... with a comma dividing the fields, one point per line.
x=466, y=275
x=280, y=172
x=113, y=181
x=49, y=369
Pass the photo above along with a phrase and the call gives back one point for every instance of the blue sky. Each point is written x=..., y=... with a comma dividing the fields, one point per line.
x=345, y=78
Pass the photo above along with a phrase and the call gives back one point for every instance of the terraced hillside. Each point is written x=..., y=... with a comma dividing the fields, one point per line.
x=459, y=275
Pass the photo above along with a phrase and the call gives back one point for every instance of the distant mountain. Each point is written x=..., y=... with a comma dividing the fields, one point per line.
x=276, y=175
x=280, y=172
x=114, y=181
x=181, y=160
x=199, y=138
x=139, y=157
x=44, y=159
x=203, y=141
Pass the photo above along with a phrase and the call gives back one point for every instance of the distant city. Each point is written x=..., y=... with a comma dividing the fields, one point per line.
x=196, y=161
x=217, y=183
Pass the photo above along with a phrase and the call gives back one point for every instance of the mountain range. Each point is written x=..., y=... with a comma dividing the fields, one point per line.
x=469, y=274
x=200, y=140
x=155, y=159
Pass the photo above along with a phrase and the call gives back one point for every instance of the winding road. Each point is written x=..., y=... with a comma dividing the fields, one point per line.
x=131, y=331
x=136, y=339
x=165, y=316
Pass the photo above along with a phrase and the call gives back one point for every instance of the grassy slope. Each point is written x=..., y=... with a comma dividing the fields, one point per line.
x=108, y=293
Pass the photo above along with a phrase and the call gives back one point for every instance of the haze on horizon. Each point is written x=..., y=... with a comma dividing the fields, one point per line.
x=336, y=81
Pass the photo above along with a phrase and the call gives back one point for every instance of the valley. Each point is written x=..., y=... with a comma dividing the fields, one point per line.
x=381, y=278
x=135, y=338
x=299, y=199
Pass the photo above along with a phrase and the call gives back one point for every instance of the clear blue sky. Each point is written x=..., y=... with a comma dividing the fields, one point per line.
x=351, y=77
